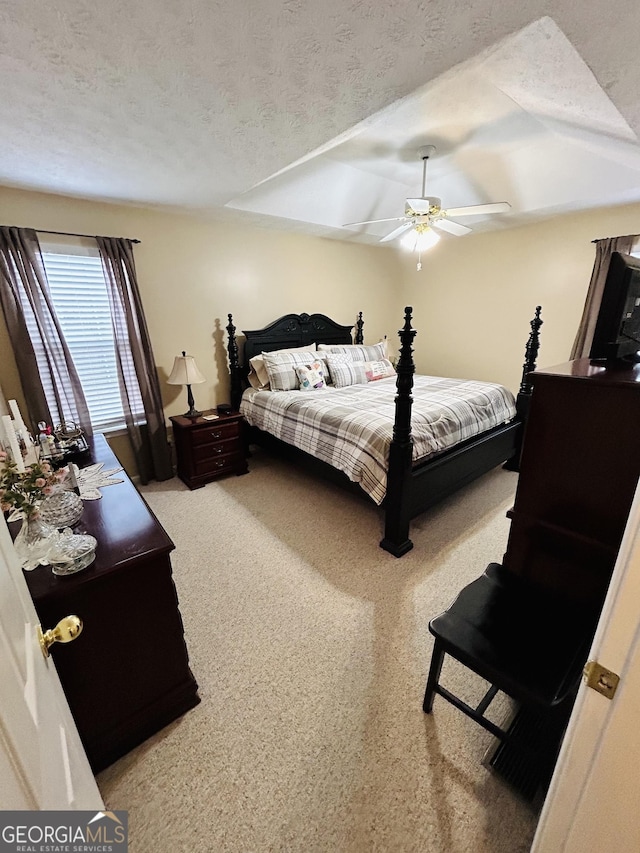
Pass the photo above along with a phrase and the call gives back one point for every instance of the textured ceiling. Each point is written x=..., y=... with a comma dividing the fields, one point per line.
x=191, y=105
x=524, y=122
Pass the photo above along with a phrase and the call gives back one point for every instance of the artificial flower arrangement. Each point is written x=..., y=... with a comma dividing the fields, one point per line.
x=23, y=492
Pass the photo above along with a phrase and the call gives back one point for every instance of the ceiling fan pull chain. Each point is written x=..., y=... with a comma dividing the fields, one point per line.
x=419, y=264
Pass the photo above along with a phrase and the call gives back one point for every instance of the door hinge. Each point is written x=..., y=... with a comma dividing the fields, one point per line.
x=601, y=679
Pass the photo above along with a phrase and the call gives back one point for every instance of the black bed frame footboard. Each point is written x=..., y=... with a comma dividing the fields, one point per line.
x=411, y=489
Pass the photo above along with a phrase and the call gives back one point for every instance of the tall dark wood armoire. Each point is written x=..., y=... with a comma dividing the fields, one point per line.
x=579, y=469
x=578, y=474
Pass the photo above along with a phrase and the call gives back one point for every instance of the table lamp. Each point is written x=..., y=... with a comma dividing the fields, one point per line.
x=185, y=372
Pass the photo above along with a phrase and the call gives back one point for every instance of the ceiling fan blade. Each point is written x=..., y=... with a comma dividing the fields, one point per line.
x=373, y=221
x=476, y=209
x=397, y=232
x=451, y=227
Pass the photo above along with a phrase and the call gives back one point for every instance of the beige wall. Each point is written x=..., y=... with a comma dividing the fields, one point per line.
x=475, y=295
x=192, y=272
x=472, y=301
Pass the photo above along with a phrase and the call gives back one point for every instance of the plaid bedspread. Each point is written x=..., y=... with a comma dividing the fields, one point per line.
x=351, y=428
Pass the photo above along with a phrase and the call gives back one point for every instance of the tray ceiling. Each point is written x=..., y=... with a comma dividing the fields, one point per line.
x=525, y=122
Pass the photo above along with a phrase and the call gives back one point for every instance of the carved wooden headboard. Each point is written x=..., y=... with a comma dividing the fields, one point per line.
x=292, y=330
x=295, y=330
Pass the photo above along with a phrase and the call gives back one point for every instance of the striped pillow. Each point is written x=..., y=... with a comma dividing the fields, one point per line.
x=258, y=376
x=356, y=352
x=345, y=372
x=281, y=368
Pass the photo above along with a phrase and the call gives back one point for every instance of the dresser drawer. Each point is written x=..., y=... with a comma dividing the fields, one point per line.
x=214, y=432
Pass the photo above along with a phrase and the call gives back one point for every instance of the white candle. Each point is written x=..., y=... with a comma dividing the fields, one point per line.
x=15, y=411
x=13, y=442
x=6, y=430
x=3, y=404
x=73, y=480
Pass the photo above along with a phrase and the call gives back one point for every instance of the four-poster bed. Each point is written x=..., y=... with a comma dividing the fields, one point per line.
x=410, y=485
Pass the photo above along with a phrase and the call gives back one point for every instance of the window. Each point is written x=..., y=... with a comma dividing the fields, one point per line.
x=79, y=294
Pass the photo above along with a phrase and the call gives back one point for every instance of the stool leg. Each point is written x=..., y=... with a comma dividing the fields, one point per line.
x=434, y=675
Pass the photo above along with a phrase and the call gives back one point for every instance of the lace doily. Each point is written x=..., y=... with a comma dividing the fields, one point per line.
x=92, y=478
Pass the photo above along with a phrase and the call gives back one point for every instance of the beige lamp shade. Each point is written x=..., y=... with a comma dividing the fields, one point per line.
x=185, y=372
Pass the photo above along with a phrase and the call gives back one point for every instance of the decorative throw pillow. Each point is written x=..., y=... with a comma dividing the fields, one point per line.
x=258, y=376
x=379, y=369
x=356, y=352
x=311, y=376
x=345, y=372
x=281, y=367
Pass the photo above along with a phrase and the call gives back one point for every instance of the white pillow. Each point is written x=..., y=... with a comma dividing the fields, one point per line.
x=258, y=376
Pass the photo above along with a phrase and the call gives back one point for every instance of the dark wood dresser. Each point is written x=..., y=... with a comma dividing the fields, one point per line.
x=207, y=449
x=578, y=474
x=127, y=675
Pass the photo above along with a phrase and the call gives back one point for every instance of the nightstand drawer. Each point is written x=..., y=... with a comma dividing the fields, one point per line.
x=217, y=464
x=215, y=432
x=202, y=452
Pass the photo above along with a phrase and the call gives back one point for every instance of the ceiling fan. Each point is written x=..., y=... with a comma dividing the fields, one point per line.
x=423, y=214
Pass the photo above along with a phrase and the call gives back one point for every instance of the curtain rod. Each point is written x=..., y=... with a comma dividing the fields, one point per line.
x=612, y=238
x=70, y=234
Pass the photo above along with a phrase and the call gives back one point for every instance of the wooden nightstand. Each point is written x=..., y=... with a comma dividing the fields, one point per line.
x=208, y=449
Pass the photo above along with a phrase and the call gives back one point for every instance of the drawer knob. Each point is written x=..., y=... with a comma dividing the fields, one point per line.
x=219, y=464
x=65, y=631
x=216, y=434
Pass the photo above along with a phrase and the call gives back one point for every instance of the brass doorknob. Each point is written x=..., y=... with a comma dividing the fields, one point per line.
x=65, y=631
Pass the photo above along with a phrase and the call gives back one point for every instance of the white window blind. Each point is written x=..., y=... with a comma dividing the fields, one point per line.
x=79, y=295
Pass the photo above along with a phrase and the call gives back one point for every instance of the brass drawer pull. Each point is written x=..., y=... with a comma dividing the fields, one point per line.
x=217, y=434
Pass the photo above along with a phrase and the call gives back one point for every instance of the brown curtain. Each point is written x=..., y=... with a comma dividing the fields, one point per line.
x=24, y=291
x=604, y=250
x=148, y=438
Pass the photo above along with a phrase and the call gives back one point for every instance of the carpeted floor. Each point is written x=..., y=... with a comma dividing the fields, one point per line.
x=310, y=647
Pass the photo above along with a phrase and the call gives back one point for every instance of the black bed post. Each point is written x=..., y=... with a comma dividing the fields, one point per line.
x=359, y=326
x=523, y=400
x=234, y=366
x=397, y=502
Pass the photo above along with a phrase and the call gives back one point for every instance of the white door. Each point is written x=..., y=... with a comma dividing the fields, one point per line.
x=42, y=762
x=592, y=803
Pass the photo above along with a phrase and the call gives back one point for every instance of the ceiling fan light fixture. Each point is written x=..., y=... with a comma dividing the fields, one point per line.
x=420, y=239
x=421, y=213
